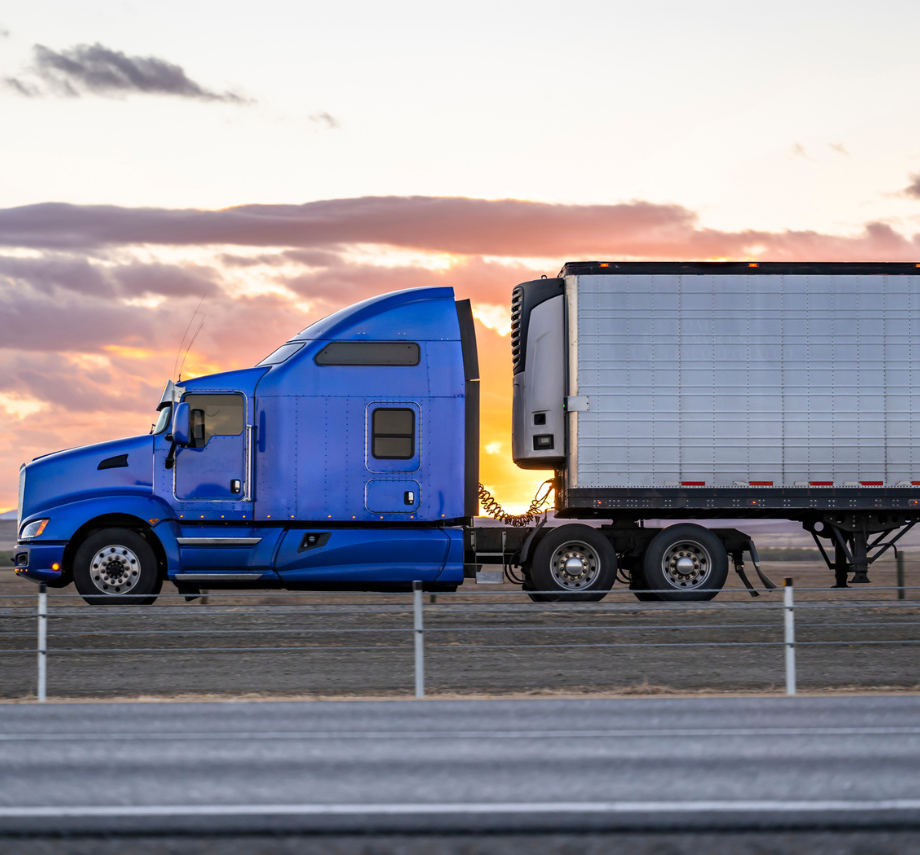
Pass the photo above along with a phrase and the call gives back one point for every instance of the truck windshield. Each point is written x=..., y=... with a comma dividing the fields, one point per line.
x=282, y=353
x=162, y=420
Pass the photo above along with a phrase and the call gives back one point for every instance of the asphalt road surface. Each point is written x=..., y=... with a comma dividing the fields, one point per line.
x=462, y=766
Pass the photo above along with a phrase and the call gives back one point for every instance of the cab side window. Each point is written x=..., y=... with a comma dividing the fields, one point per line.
x=214, y=415
x=393, y=433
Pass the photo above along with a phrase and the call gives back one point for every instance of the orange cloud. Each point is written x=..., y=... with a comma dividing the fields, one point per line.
x=459, y=226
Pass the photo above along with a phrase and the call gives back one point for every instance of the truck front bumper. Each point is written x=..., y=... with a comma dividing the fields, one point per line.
x=40, y=562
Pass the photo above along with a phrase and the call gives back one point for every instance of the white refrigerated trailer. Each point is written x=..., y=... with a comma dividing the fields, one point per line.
x=716, y=390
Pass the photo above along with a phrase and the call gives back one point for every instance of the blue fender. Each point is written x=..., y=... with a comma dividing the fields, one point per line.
x=65, y=520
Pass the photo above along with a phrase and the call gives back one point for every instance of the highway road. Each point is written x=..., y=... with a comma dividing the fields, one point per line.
x=448, y=766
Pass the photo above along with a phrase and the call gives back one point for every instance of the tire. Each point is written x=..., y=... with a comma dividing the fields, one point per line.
x=556, y=559
x=114, y=562
x=703, y=564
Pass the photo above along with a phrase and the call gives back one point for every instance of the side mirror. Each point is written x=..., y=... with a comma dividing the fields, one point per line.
x=180, y=432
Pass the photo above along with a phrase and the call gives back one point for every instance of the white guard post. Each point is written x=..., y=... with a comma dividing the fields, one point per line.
x=789, y=610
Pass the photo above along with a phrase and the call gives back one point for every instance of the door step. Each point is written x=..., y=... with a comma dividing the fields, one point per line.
x=218, y=541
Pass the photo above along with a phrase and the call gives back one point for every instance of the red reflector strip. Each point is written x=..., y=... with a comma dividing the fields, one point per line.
x=692, y=483
x=871, y=483
x=761, y=483
x=820, y=483
x=915, y=483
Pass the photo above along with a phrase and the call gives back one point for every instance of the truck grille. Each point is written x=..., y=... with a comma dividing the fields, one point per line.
x=517, y=346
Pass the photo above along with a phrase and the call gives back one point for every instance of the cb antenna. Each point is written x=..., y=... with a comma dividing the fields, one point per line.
x=191, y=320
x=191, y=342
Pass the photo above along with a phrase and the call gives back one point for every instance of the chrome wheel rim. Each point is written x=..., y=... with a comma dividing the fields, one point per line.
x=687, y=564
x=575, y=565
x=115, y=570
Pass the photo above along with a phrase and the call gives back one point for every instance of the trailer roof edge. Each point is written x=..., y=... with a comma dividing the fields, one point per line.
x=884, y=268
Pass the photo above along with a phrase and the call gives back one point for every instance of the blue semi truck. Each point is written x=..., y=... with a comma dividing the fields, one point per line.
x=349, y=457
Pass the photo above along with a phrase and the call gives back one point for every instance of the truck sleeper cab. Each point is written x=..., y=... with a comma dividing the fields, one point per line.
x=346, y=458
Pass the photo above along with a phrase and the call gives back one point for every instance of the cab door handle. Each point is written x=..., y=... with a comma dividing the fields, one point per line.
x=409, y=497
x=236, y=485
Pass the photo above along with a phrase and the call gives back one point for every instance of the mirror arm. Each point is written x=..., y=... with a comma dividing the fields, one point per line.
x=171, y=456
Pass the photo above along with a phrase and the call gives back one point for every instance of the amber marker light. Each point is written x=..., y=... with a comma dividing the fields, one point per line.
x=55, y=566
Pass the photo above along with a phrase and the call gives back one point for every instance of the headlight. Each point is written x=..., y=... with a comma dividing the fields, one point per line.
x=33, y=529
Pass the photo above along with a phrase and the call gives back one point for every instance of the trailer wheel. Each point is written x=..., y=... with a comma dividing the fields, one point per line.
x=113, y=563
x=572, y=563
x=684, y=562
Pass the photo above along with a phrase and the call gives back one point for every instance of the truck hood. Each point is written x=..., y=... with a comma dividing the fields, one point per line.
x=122, y=466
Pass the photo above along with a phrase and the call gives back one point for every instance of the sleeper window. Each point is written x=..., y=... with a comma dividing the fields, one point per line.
x=393, y=433
x=369, y=353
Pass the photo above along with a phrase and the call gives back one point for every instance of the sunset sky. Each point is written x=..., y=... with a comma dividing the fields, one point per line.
x=286, y=159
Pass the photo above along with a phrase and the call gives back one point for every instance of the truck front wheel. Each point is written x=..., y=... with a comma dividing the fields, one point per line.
x=116, y=566
x=572, y=563
x=684, y=562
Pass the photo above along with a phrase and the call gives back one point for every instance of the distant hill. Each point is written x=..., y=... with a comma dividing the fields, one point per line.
x=9, y=515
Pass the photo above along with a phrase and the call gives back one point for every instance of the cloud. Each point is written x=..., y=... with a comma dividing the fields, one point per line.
x=913, y=189
x=53, y=275
x=168, y=280
x=22, y=87
x=798, y=150
x=4, y=33
x=330, y=122
x=840, y=148
x=485, y=282
x=455, y=225
x=98, y=70
x=48, y=275
x=63, y=384
x=41, y=322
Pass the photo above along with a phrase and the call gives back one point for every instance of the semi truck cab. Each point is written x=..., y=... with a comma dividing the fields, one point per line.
x=346, y=458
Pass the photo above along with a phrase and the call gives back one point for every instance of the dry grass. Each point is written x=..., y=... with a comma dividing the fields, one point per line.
x=642, y=690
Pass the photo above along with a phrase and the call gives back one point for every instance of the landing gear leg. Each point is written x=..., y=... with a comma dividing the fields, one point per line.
x=860, y=558
x=841, y=566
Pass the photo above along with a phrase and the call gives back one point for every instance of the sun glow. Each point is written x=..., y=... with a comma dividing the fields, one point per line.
x=125, y=352
x=494, y=317
x=198, y=366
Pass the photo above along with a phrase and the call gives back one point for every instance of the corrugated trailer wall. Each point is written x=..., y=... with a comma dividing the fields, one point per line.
x=744, y=380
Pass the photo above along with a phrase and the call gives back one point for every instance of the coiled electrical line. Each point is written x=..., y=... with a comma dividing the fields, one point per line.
x=490, y=507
